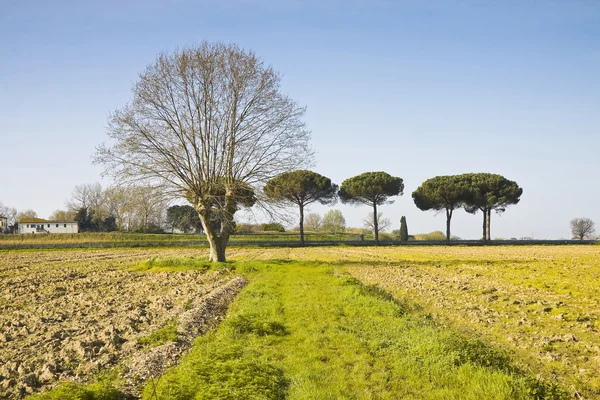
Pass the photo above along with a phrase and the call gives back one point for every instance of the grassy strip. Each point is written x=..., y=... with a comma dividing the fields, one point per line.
x=299, y=331
x=173, y=264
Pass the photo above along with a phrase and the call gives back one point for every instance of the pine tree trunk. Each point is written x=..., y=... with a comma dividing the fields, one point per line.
x=375, y=224
x=302, y=225
x=488, y=224
x=448, y=219
x=484, y=224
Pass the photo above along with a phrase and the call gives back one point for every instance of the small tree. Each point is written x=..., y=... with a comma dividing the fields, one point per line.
x=27, y=214
x=582, y=228
x=372, y=189
x=108, y=224
x=313, y=222
x=382, y=222
x=91, y=197
x=403, y=229
x=334, y=222
x=85, y=219
x=301, y=188
x=10, y=213
x=62, y=215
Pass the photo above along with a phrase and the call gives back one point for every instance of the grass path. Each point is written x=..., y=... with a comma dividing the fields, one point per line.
x=302, y=331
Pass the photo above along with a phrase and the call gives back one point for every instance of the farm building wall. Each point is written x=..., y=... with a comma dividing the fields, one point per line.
x=48, y=227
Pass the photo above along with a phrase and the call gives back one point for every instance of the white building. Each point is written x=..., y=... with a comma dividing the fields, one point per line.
x=3, y=224
x=39, y=225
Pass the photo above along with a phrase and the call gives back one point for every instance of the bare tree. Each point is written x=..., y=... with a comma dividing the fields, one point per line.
x=209, y=124
x=27, y=214
x=62, y=215
x=382, y=223
x=119, y=203
x=333, y=222
x=313, y=222
x=10, y=213
x=150, y=207
x=89, y=196
x=582, y=228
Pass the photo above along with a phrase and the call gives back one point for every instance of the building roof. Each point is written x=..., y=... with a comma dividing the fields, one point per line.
x=29, y=220
x=3, y=217
x=45, y=221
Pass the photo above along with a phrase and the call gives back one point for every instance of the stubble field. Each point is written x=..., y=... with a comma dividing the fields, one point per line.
x=68, y=315
x=328, y=322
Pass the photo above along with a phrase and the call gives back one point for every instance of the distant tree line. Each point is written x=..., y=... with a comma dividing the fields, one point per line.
x=472, y=192
x=127, y=209
x=144, y=209
x=246, y=228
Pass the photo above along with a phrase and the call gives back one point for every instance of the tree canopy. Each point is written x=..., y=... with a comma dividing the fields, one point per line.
x=382, y=222
x=301, y=188
x=313, y=222
x=26, y=214
x=333, y=222
x=582, y=228
x=209, y=124
x=489, y=192
x=183, y=217
x=442, y=193
x=372, y=189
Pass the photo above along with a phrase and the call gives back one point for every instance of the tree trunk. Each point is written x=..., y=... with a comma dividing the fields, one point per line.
x=302, y=225
x=375, y=224
x=217, y=241
x=217, y=250
x=484, y=224
x=448, y=219
x=488, y=224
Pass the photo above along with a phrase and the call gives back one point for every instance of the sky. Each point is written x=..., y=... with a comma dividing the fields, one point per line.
x=413, y=88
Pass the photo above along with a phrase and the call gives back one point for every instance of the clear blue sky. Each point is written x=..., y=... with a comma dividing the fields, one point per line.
x=414, y=88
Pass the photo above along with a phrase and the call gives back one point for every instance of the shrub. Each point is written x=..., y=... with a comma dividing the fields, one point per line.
x=437, y=235
x=243, y=228
x=273, y=227
x=387, y=236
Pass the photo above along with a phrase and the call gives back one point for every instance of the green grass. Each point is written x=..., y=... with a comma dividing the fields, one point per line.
x=165, y=334
x=300, y=331
x=103, y=388
x=173, y=264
